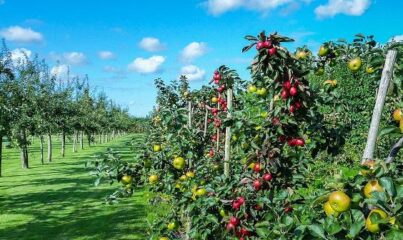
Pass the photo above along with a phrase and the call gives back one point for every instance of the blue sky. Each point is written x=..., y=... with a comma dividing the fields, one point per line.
x=123, y=45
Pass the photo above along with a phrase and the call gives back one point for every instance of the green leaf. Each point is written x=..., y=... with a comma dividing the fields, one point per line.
x=332, y=226
x=394, y=234
x=387, y=184
x=354, y=230
x=262, y=229
x=388, y=130
x=317, y=231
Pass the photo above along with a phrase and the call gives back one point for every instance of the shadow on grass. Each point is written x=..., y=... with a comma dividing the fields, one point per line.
x=59, y=201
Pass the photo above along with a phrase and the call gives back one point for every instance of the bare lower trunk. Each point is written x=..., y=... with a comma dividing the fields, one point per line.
x=63, y=143
x=82, y=139
x=1, y=152
x=24, y=150
x=75, y=140
x=49, y=148
x=113, y=134
x=89, y=139
x=41, y=148
x=100, y=138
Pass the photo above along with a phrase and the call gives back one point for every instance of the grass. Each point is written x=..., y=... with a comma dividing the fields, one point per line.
x=59, y=201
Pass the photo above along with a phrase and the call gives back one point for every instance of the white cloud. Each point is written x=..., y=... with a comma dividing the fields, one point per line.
x=106, y=55
x=151, y=44
x=111, y=69
x=347, y=7
x=193, y=50
x=398, y=38
x=193, y=73
x=20, y=55
x=217, y=7
x=21, y=35
x=146, y=65
x=60, y=71
x=75, y=58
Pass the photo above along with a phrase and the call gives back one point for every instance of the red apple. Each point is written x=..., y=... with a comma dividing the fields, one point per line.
x=234, y=221
x=299, y=142
x=257, y=184
x=272, y=51
x=257, y=167
x=287, y=85
x=275, y=121
x=230, y=227
x=292, y=109
x=293, y=91
x=267, y=44
x=236, y=205
x=267, y=177
x=244, y=232
x=259, y=45
x=217, y=77
x=292, y=142
x=241, y=200
x=284, y=94
x=288, y=209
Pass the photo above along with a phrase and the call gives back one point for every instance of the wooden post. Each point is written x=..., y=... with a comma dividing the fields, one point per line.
x=380, y=101
x=188, y=218
x=205, y=123
x=218, y=129
x=227, y=148
x=190, y=126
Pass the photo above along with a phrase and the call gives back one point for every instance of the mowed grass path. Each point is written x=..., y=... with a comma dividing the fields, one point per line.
x=58, y=200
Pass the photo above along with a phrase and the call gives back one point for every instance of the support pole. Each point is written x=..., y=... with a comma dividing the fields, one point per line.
x=227, y=147
x=380, y=101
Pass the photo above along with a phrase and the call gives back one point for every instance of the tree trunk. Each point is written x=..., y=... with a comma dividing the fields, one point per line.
x=100, y=138
x=89, y=139
x=63, y=143
x=49, y=147
x=24, y=150
x=1, y=152
x=82, y=139
x=113, y=134
x=75, y=140
x=41, y=148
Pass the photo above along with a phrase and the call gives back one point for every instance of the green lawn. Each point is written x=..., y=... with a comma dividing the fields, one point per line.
x=59, y=201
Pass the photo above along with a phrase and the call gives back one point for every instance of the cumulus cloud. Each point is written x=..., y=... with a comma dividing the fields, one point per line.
x=146, y=65
x=20, y=55
x=218, y=7
x=106, y=55
x=151, y=44
x=347, y=7
x=21, y=35
x=60, y=71
x=193, y=73
x=398, y=38
x=193, y=51
x=75, y=58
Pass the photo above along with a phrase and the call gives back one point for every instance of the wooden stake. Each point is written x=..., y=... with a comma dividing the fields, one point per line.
x=380, y=101
x=227, y=148
x=218, y=129
x=205, y=123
